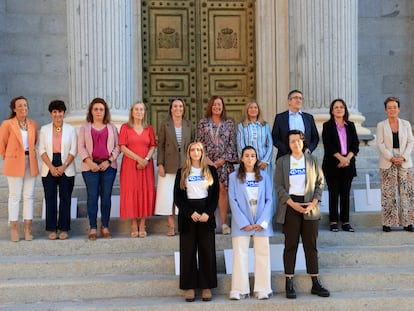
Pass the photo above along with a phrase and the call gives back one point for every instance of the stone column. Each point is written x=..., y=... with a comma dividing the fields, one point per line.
x=272, y=55
x=100, y=45
x=323, y=56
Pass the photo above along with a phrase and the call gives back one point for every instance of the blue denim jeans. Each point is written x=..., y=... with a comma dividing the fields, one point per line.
x=99, y=184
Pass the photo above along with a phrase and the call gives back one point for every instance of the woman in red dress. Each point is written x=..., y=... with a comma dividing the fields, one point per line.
x=137, y=183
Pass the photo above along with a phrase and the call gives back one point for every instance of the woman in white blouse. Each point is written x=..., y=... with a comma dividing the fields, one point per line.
x=58, y=148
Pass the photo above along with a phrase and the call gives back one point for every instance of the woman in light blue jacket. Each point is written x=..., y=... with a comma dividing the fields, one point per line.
x=250, y=195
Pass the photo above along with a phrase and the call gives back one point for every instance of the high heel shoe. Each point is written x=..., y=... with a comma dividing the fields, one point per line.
x=142, y=234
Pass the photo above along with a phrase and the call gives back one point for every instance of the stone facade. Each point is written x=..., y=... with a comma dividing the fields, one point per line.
x=34, y=55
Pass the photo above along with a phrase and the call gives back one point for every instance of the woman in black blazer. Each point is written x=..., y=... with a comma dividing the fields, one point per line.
x=341, y=145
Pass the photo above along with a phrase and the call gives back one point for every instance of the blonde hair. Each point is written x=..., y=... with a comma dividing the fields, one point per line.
x=205, y=170
x=131, y=118
x=245, y=119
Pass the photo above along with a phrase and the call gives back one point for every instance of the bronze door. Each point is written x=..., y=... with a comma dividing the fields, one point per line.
x=195, y=49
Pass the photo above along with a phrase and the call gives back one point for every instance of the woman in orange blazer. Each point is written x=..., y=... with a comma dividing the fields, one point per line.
x=18, y=137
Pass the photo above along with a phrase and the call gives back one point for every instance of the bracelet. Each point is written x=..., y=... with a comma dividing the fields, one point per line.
x=110, y=162
x=146, y=158
x=66, y=164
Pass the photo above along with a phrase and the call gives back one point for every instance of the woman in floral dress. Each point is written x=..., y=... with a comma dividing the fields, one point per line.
x=218, y=135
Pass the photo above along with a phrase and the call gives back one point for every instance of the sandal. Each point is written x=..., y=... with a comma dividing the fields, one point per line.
x=171, y=232
x=142, y=234
x=225, y=229
x=52, y=235
x=92, y=235
x=334, y=227
x=134, y=231
x=347, y=227
x=106, y=234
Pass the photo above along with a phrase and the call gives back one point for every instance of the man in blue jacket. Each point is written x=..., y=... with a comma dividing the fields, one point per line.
x=294, y=119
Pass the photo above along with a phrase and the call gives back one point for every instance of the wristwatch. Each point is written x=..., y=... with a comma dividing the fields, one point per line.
x=146, y=158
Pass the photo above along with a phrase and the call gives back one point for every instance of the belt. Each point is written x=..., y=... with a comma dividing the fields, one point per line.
x=26, y=152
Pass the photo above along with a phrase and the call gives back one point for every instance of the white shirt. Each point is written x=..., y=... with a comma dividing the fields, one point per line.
x=197, y=186
x=252, y=188
x=297, y=176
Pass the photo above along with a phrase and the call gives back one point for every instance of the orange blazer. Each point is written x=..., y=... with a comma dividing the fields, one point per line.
x=12, y=150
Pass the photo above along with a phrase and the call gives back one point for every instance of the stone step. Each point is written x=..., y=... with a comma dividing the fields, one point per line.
x=110, y=286
x=159, y=225
x=159, y=242
x=133, y=263
x=341, y=301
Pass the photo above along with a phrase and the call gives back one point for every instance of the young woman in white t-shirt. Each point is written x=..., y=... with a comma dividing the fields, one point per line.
x=250, y=197
x=196, y=192
x=299, y=182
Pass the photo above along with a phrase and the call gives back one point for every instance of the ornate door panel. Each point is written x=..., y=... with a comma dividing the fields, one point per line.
x=194, y=49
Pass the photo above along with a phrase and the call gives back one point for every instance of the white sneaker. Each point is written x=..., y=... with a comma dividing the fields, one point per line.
x=234, y=296
x=262, y=296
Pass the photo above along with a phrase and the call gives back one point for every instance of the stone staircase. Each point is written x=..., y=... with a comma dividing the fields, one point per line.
x=368, y=269
x=365, y=270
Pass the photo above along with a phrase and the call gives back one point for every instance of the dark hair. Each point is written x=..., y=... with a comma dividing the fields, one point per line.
x=210, y=107
x=346, y=115
x=241, y=174
x=13, y=105
x=171, y=103
x=97, y=100
x=293, y=92
x=302, y=137
x=391, y=99
x=58, y=105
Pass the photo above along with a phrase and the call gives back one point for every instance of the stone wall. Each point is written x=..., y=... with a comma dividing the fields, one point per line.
x=386, y=54
x=33, y=54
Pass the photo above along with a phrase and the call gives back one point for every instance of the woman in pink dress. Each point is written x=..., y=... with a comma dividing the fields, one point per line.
x=137, y=183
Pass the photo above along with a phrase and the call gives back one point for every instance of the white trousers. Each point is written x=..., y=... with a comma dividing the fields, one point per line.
x=262, y=271
x=17, y=185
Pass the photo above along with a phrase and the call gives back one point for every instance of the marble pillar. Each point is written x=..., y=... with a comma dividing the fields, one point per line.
x=272, y=55
x=101, y=56
x=323, y=47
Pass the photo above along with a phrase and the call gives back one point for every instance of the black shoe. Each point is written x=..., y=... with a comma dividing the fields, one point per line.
x=386, y=228
x=333, y=227
x=409, y=228
x=318, y=289
x=347, y=227
x=290, y=291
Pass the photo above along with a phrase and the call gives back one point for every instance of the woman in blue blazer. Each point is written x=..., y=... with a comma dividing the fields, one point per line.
x=250, y=196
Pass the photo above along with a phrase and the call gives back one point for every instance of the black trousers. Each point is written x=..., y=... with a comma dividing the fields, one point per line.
x=198, y=267
x=339, y=189
x=58, y=217
x=294, y=227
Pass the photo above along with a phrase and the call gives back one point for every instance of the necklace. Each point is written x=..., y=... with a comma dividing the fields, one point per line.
x=23, y=125
x=58, y=129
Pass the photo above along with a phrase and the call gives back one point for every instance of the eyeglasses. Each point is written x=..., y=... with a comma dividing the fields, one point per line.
x=297, y=97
